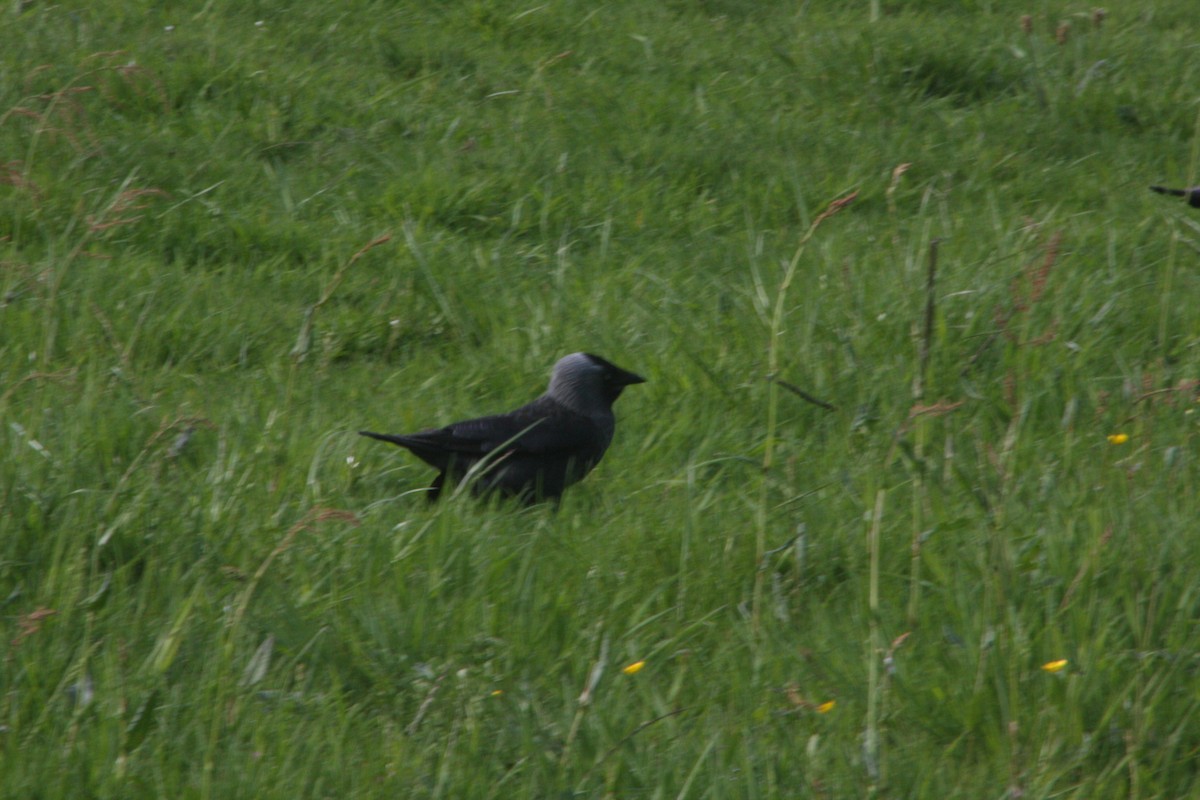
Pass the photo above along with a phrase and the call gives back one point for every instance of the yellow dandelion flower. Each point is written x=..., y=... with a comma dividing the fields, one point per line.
x=826, y=707
x=1055, y=666
x=497, y=692
x=1118, y=438
x=633, y=668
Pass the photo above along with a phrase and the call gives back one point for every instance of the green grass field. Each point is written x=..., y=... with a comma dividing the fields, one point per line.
x=233, y=235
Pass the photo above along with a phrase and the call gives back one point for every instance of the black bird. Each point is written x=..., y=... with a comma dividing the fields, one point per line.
x=536, y=451
x=1192, y=194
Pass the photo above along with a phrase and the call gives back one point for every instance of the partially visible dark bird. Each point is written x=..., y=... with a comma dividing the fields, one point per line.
x=1192, y=194
x=536, y=451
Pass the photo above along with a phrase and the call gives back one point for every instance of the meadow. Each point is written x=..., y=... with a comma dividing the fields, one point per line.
x=904, y=509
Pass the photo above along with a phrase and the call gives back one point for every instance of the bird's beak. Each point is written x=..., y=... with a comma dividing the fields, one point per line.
x=624, y=378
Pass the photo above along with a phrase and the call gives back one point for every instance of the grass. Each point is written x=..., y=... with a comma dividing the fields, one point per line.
x=232, y=237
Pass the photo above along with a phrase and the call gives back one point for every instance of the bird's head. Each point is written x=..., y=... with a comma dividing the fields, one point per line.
x=588, y=383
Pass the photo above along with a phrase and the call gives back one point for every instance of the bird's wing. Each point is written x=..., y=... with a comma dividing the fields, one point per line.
x=539, y=428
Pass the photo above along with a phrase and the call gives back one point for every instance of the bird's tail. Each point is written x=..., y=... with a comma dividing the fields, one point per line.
x=1166, y=190
x=402, y=441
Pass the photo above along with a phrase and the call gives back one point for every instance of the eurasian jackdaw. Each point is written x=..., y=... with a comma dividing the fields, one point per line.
x=536, y=451
x=1192, y=194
